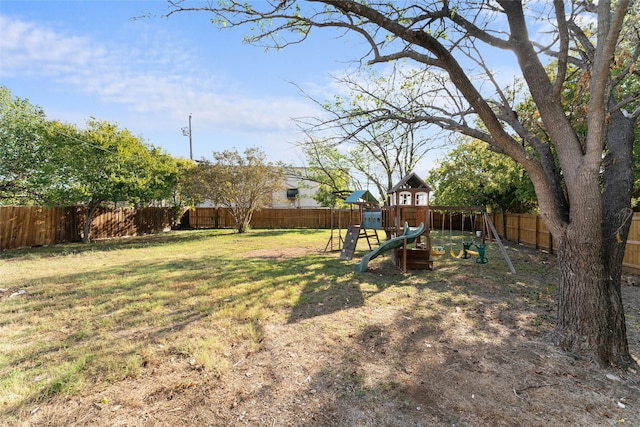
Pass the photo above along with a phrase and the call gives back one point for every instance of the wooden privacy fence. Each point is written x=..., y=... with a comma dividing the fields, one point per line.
x=24, y=226
x=529, y=230
x=272, y=218
x=631, y=261
x=525, y=229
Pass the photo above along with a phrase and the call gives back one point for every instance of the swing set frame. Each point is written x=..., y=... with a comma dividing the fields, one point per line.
x=488, y=232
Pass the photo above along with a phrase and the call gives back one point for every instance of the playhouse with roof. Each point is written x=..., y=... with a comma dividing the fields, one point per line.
x=407, y=219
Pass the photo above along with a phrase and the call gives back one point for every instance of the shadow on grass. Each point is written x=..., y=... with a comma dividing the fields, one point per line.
x=461, y=346
x=112, y=317
x=338, y=287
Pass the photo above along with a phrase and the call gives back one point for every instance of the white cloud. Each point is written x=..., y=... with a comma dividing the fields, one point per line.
x=29, y=49
x=154, y=76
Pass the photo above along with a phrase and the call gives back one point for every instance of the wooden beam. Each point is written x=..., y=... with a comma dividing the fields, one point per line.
x=458, y=208
x=487, y=219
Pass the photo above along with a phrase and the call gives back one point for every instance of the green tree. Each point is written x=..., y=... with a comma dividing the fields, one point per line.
x=473, y=175
x=575, y=99
x=326, y=195
x=180, y=200
x=583, y=181
x=25, y=166
x=240, y=183
x=103, y=164
x=161, y=173
x=53, y=163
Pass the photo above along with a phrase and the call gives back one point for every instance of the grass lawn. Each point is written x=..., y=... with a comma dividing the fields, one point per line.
x=264, y=328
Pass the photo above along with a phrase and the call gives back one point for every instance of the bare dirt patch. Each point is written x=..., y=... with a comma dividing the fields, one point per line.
x=465, y=352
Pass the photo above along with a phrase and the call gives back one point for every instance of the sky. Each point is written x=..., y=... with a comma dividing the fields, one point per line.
x=82, y=59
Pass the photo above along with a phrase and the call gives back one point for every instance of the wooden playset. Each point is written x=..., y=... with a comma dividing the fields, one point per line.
x=408, y=219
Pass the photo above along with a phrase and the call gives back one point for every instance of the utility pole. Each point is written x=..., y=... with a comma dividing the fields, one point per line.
x=190, y=140
x=187, y=132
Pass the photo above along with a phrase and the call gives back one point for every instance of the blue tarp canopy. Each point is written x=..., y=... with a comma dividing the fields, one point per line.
x=361, y=196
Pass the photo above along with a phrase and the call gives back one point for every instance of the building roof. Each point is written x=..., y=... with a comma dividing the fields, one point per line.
x=412, y=181
x=361, y=196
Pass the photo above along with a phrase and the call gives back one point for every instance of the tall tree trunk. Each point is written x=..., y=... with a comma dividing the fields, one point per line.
x=618, y=346
x=616, y=198
x=503, y=217
x=89, y=213
x=582, y=326
x=591, y=317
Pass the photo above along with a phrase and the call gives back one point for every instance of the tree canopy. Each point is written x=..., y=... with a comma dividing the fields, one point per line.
x=103, y=164
x=53, y=163
x=473, y=175
x=24, y=150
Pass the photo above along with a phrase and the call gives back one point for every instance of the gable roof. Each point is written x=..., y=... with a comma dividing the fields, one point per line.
x=361, y=196
x=410, y=181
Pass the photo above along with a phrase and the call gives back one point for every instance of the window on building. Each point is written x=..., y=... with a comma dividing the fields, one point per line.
x=292, y=193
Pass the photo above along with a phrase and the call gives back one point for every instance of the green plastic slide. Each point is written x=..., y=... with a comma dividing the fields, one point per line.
x=409, y=235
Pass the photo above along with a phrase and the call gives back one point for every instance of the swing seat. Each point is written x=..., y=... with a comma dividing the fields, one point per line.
x=481, y=250
x=437, y=250
x=473, y=253
x=453, y=254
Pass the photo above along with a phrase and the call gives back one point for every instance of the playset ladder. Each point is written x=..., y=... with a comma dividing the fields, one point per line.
x=350, y=242
x=364, y=232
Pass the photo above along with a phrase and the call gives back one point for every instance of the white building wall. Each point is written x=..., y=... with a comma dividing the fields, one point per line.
x=304, y=197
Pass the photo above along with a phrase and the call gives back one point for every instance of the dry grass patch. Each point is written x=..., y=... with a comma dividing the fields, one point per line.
x=215, y=328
